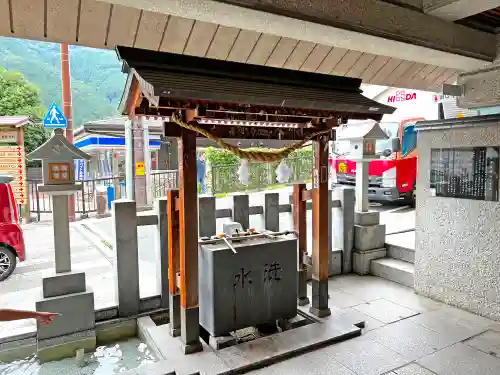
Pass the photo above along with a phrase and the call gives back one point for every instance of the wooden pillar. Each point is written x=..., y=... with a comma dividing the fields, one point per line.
x=188, y=215
x=320, y=206
x=300, y=226
x=173, y=262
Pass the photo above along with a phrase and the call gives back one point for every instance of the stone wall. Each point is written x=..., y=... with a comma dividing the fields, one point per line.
x=457, y=240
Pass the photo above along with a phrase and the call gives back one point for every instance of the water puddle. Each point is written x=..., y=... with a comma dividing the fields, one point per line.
x=106, y=360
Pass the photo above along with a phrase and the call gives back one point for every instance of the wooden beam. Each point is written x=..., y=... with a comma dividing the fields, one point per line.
x=253, y=112
x=188, y=215
x=300, y=226
x=247, y=132
x=173, y=262
x=320, y=222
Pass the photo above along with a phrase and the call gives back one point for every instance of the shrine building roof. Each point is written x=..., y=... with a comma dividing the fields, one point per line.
x=175, y=81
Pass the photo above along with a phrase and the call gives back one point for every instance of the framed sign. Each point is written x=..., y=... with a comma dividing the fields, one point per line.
x=468, y=173
x=59, y=172
x=8, y=135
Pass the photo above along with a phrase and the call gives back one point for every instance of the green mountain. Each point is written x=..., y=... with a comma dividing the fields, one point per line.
x=96, y=79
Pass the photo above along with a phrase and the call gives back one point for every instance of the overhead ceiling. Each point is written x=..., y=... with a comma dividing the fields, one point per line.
x=488, y=21
x=103, y=25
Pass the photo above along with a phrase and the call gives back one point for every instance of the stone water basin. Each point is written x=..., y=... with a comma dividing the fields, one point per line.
x=106, y=360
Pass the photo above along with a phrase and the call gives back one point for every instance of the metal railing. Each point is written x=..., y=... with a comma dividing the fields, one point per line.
x=162, y=182
x=85, y=198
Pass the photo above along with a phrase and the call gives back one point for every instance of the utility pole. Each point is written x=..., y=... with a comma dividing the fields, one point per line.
x=66, y=104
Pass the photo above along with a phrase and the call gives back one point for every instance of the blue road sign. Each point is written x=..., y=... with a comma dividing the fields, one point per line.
x=79, y=170
x=54, y=119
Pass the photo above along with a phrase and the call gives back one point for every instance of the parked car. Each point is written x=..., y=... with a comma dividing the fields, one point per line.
x=11, y=234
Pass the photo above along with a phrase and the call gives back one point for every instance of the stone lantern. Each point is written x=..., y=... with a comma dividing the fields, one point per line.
x=363, y=137
x=369, y=234
x=65, y=292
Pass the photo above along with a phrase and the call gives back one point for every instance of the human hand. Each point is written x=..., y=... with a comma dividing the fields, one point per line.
x=46, y=317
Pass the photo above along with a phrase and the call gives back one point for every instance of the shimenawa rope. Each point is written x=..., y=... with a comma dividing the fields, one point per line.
x=251, y=154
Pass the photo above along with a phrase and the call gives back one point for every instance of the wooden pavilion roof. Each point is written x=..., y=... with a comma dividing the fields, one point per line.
x=175, y=81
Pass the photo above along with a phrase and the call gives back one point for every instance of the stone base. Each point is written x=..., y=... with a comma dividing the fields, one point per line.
x=65, y=346
x=77, y=315
x=109, y=332
x=335, y=263
x=158, y=368
x=362, y=259
x=303, y=301
x=369, y=237
x=243, y=357
x=62, y=284
x=192, y=348
x=175, y=314
x=319, y=303
x=320, y=313
x=366, y=218
x=17, y=349
x=222, y=342
x=297, y=321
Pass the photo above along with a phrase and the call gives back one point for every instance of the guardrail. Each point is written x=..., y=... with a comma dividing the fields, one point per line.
x=85, y=198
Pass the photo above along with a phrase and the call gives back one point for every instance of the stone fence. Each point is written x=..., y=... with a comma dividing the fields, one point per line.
x=126, y=220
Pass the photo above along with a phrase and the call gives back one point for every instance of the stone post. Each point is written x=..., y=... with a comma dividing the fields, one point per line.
x=241, y=210
x=206, y=221
x=62, y=247
x=362, y=179
x=369, y=235
x=124, y=214
x=343, y=225
x=272, y=212
x=161, y=243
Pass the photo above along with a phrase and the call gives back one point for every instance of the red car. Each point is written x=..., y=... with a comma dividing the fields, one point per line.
x=11, y=234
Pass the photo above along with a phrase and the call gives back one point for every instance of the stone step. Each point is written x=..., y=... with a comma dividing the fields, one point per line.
x=396, y=270
x=400, y=252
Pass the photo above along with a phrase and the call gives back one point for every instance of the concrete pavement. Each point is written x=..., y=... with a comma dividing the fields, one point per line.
x=405, y=334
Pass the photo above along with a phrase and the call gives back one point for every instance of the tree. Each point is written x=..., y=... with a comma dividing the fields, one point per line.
x=19, y=97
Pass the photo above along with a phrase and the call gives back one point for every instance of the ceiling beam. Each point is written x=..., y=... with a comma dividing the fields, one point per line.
x=368, y=26
x=453, y=10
